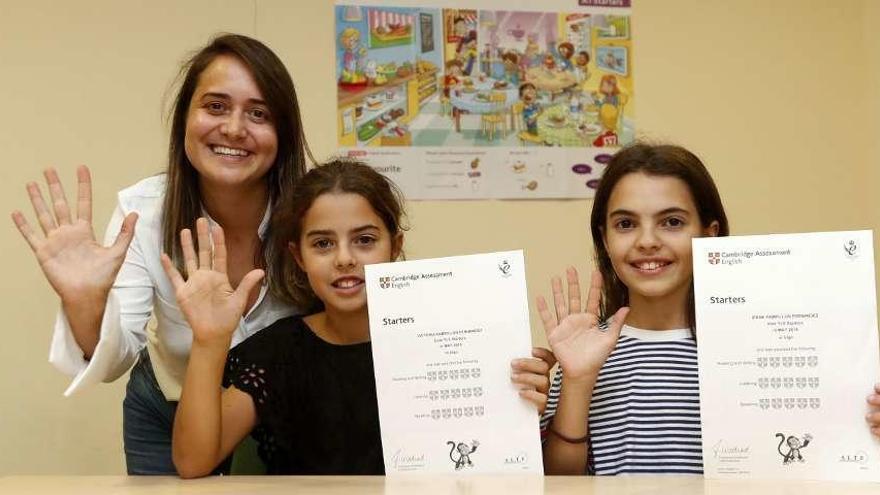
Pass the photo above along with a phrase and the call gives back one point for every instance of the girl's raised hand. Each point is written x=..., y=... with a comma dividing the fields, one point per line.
x=576, y=339
x=874, y=416
x=77, y=266
x=210, y=305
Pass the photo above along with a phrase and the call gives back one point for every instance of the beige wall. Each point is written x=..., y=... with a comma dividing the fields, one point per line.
x=779, y=98
x=871, y=87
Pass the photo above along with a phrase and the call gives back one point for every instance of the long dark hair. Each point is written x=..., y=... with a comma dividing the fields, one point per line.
x=336, y=176
x=663, y=160
x=183, y=201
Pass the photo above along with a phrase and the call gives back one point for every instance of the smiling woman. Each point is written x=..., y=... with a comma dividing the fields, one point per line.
x=236, y=148
x=230, y=138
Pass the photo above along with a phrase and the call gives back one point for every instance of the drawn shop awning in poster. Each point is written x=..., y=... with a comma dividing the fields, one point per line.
x=485, y=99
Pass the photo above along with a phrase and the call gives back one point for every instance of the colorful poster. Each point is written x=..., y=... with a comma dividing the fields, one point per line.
x=485, y=99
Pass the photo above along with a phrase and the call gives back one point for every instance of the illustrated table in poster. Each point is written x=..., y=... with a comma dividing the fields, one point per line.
x=788, y=351
x=444, y=332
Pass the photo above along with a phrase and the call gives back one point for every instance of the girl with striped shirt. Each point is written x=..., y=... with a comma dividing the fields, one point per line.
x=626, y=396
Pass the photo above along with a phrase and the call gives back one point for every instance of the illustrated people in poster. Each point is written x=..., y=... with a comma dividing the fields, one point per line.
x=415, y=78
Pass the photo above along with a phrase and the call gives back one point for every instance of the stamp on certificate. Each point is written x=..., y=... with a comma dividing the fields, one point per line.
x=852, y=249
x=504, y=268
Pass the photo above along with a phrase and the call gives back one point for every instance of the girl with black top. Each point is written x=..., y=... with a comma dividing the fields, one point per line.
x=304, y=385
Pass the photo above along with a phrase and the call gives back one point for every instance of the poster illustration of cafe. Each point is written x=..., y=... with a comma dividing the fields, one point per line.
x=488, y=99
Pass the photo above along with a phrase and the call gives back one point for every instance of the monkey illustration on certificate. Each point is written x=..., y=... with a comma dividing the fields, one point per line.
x=443, y=333
x=787, y=343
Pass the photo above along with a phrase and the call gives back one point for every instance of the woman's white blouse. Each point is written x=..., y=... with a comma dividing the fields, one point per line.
x=141, y=291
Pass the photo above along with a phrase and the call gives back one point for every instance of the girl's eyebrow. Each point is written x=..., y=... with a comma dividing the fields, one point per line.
x=355, y=230
x=667, y=211
x=363, y=228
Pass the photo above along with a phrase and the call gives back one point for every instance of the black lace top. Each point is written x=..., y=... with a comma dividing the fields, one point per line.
x=316, y=401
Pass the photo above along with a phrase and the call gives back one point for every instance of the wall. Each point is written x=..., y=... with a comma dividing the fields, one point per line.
x=871, y=131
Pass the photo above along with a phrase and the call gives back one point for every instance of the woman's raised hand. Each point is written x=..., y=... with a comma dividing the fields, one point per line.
x=78, y=267
x=575, y=337
x=210, y=305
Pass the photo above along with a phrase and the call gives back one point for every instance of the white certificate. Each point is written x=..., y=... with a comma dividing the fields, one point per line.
x=787, y=345
x=443, y=334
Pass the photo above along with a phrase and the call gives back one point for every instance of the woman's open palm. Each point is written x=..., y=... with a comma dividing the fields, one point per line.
x=77, y=266
x=208, y=301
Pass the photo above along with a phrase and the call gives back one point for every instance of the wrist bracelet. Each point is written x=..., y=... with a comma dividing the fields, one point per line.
x=566, y=439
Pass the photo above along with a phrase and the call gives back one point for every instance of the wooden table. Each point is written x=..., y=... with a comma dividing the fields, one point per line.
x=551, y=81
x=568, y=133
x=505, y=485
x=465, y=100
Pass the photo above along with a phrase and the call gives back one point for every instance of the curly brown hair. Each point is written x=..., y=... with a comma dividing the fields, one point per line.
x=569, y=49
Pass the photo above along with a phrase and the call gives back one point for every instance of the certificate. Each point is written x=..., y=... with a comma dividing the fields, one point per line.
x=444, y=332
x=787, y=350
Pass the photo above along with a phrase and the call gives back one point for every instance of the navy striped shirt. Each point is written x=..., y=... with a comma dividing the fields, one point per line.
x=645, y=410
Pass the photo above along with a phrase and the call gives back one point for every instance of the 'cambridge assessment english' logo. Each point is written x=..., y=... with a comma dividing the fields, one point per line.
x=384, y=282
x=714, y=258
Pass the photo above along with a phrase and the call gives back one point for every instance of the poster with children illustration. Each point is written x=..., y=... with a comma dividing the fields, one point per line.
x=486, y=98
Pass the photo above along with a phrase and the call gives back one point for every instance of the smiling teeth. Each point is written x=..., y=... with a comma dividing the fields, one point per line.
x=222, y=150
x=347, y=284
x=651, y=265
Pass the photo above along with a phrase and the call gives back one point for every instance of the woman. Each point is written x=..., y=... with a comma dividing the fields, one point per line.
x=236, y=147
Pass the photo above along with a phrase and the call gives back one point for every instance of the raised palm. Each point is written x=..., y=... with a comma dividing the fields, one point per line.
x=210, y=304
x=576, y=338
x=77, y=266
